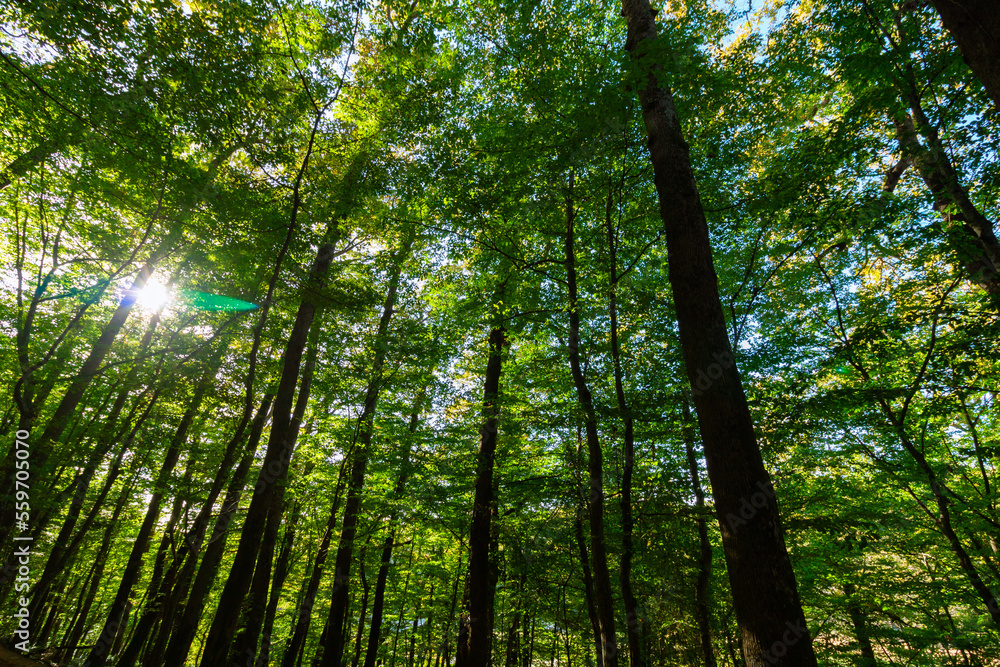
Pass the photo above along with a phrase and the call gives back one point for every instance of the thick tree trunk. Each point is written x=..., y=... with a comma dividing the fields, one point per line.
x=975, y=27
x=244, y=647
x=476, y=642
x=595, y=457
x=332, y=651
x=765, y=596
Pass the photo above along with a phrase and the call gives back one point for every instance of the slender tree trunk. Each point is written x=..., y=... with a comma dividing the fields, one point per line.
x=633, y=620
x=861, y=630
x=451, y=613
x=588, y=586
x=304, y=614
x=281, y=568
x=155, y=592
x=598, y=545
x=701, y=598
x=183, y=634
x=765, y=596
x=378, y=603
x=975, y=27
x=477, y=647
x=61, y=418
x=99, y=654
x=332, y=652
x=365, y=590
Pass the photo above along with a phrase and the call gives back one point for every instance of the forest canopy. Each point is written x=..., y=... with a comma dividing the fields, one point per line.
x=418, y=333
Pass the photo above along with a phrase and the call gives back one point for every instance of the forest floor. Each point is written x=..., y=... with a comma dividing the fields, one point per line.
x=10, y=659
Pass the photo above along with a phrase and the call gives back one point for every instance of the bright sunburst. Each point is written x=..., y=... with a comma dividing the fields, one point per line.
x=153, y=296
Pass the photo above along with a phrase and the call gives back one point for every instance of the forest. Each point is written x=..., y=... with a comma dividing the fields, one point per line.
x=508, y=333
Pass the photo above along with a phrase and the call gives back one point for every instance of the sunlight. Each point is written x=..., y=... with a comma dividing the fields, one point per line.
x=153, y=296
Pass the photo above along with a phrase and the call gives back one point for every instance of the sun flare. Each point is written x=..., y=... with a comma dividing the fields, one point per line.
x=153, y=296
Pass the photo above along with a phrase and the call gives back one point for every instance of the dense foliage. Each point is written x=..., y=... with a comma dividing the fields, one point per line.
x=314, y=312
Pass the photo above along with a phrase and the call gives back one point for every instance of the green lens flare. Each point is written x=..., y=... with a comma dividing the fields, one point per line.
x=205, y=301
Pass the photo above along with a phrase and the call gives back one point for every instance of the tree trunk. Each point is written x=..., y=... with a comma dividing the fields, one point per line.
x=633, y=621
x=968, y=229
x=701, y=598
x=476, y=647
x=975, y=27
x=272, y=472
x=378, y=603
x=99, y=654
x=281, y=568
x=588, y=586
x=304, y=613
x=332, y=652
x=861, y=629
x=765, y=596
x=244, y=648
x=595, y=457
x=183, y=634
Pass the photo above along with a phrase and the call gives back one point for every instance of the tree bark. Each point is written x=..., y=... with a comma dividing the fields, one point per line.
x=633, y=621
x=595, y=457
x=332, y=651
x=861, y=630
x=765, y=596
x=475, y=646
x=99, y=654
x=183, y=634
x=968, y=229
x=701, y=597
x=273, y=470
x=378, y=602
x=975, y=27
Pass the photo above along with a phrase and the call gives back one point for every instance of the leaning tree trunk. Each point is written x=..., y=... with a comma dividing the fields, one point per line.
x=595, y=457
x=968, y=229
x=187, y=626
x=975, y=27
x=244, y=647
x=276, y=459
x=476, y=641
x=99, y=653
x=765, y=596
x=61, y=418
